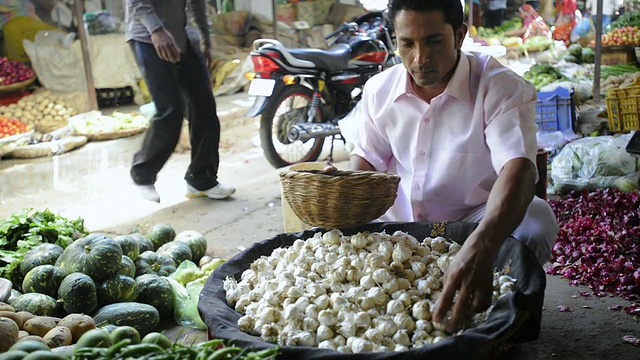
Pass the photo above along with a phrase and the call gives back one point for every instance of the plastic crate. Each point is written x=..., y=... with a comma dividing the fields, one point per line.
x=555, y=110
x=623, y=109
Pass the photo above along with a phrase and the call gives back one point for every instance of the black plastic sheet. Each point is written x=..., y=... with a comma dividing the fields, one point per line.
x=515, y=317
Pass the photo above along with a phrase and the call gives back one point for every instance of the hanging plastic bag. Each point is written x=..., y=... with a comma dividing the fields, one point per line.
x=186, y=295
x=185, y=311
x=592, y=163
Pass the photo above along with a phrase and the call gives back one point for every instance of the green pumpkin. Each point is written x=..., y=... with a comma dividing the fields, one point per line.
x=128, y=245
x=43, y=279
x=127, y=267
x=178, y=251
x=43, y=254
x=37, y=304
x=150, y=262
x=118, y=288
x=160, y=234
x=96, y=255
x=197, y=243
x=156, y=291
x=78, y=294
x=143, y=242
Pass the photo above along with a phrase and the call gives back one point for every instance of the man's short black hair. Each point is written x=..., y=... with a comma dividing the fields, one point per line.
x=451, y=9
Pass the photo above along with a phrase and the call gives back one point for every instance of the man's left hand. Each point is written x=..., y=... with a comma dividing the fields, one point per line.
x=470, y=274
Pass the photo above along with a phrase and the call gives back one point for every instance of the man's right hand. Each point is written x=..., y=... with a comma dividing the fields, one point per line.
x=165, y=45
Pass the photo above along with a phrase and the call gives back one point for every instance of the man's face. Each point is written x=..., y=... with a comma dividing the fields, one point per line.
x=428, y=47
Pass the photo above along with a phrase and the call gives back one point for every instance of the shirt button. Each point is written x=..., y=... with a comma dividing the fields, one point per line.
x=420, y=216
x=416, y=186
x=422, y=153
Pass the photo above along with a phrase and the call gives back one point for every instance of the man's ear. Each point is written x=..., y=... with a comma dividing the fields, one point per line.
x=460, y=35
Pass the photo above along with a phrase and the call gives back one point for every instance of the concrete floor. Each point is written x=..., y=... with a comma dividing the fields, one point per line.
x=93, y=183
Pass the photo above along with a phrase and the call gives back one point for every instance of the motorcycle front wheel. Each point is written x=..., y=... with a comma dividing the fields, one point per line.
x=291, y=107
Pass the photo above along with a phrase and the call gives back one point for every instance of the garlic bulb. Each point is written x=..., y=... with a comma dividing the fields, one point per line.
x=367, y=292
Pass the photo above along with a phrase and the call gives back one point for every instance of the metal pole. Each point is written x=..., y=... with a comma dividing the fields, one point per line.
x=598, y=52
x=91, y=90
x=274, y=6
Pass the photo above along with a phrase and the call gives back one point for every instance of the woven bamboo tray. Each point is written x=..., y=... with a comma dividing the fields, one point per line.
x=114, y=135
x=342, y=199
x=16, y=86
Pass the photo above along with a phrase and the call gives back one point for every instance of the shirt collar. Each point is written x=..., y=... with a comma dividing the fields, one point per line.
x=457, y=87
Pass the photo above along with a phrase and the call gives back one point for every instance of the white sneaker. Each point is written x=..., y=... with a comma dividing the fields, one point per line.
x=148, y=192
x=217, y=192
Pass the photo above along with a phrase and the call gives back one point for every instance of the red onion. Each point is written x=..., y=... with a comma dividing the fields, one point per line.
x=13, y=71
x=599, y=243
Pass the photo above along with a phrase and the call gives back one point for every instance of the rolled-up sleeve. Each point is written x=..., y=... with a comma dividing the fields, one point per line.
x=142, y=11
x=511, y=129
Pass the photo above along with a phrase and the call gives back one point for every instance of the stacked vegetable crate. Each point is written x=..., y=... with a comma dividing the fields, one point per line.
x=555, y=110
x=623, y=109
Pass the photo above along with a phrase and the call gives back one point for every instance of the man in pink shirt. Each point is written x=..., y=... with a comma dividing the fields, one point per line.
x=459, y=129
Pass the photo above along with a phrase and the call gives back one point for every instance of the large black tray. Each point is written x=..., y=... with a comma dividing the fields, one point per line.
x=515, y=317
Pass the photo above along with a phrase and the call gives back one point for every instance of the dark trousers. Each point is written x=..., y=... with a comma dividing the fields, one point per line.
x=174, y=88
x=493, y=18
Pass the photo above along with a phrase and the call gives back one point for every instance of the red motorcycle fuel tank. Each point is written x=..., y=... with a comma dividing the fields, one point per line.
x=367, y=51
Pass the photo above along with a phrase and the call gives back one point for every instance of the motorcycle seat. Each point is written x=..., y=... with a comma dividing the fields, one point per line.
x=334, y=58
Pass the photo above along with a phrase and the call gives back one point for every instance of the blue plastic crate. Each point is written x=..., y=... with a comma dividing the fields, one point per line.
x=555, y=110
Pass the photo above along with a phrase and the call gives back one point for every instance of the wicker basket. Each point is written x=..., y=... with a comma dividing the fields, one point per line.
x=16, y=86
x=114, y=135
x=342, y=199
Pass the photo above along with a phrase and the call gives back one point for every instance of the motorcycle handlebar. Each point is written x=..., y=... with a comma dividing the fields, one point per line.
x=341, y=29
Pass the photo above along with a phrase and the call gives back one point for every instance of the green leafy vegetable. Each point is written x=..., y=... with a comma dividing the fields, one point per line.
x=24, y=230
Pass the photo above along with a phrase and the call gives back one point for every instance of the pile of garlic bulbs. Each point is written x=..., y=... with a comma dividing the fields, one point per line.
x=370, y=292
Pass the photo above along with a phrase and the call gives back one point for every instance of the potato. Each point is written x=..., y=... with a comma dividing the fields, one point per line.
x=6, y=307
x=58, y=336
x=9, y=333
x=22, y=334
x=39, y=325
x=78, y=324
x=32, y=338
x=13, y=316
x=25, y=315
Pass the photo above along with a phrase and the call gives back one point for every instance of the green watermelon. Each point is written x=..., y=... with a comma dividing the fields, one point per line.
x=37, y=304
x=176, y=250
x=96, y=255
x=118, y=288
x=78, y=294
x=127, y=267
x=156, y=291
x=129, y=246
x=197, y=243
x=160, y=234
x=143, y=242
x=43, y=279
x=43, y=254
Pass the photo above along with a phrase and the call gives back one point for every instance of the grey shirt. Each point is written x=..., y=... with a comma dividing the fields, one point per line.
x=143, y=17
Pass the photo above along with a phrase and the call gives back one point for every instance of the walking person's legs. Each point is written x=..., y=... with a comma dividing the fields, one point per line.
x=161, y=138
x=204, y=129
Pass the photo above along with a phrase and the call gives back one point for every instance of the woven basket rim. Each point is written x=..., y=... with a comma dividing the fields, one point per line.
x=16, y=86
x=337, y=174
x=327, y=199
x=113, y=135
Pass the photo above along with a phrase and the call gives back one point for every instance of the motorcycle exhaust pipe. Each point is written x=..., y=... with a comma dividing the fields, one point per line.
x=306, y=131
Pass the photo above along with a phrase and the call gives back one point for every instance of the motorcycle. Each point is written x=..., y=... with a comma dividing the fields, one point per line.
x=301, y=94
